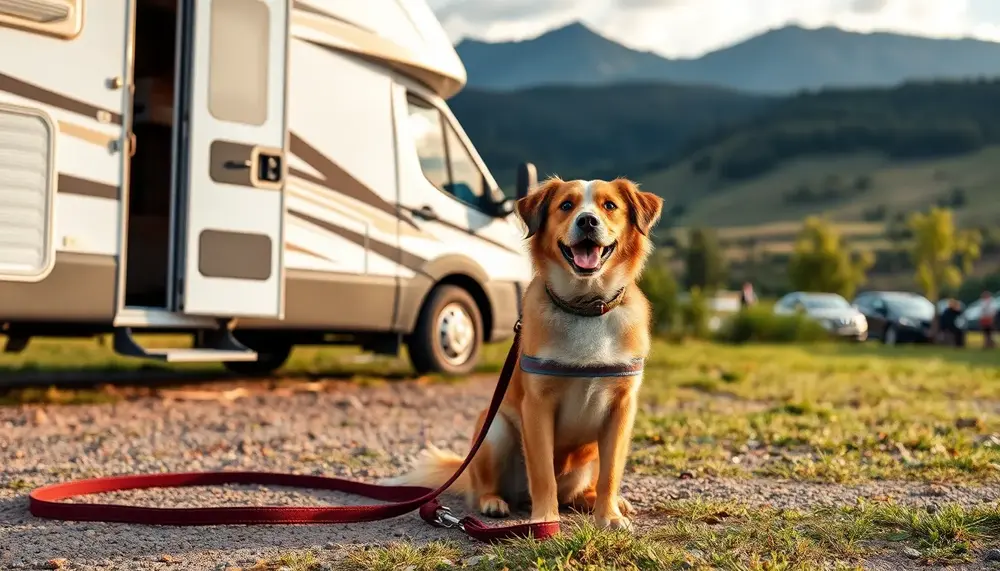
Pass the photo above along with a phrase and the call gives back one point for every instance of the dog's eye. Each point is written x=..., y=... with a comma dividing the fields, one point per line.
x=610, y=205
x=566, y=206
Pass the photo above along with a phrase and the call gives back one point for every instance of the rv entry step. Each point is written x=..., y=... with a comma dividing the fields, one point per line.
x=213, y=346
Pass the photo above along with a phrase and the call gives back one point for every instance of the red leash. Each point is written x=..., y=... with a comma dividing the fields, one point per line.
x=45, y=501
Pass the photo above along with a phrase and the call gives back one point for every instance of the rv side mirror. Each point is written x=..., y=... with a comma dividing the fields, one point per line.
x=527, y=179
x=504, y=208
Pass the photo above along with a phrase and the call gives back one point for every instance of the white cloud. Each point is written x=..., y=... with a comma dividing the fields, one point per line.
x=686, y=28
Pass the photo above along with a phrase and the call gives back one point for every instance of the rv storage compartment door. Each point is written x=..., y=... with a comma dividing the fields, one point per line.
x=231, y=176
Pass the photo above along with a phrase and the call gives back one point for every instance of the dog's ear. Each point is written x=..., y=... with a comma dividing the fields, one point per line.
x=644, y=207
x=534, y=208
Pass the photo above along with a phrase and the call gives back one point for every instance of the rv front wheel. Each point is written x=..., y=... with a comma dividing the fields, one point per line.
x=449, y=333
x=270, y=358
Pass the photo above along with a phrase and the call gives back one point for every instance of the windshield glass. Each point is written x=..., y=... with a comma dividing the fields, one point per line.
x=824, y=302
x=917, y=307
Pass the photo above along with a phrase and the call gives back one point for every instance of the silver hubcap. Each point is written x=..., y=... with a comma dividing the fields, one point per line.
x=456, y=333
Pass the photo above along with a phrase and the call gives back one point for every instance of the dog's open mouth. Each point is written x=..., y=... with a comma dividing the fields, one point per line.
x=586, y=256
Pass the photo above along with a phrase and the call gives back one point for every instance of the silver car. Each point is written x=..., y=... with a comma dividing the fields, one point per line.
x=831, y=310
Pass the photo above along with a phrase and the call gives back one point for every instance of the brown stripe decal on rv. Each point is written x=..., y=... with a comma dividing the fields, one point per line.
x=470, y=232
x=30, y=91
x=337, y=179
x=411, y=261
x=82, y=187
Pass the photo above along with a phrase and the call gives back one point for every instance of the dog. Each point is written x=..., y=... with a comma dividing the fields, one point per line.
x=562, y=439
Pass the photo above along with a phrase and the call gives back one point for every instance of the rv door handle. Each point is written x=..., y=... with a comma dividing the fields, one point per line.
x=239, y=164
x=425, y=212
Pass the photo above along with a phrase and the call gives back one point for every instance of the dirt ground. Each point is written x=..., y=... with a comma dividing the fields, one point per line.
x=337, y=428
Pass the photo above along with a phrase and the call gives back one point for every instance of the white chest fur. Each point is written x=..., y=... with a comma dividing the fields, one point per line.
x=584, y=407
x=575, y=340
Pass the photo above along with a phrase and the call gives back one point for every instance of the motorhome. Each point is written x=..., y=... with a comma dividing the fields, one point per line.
x=258, y=174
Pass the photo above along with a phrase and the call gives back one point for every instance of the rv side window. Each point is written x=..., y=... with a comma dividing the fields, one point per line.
x=445, y=161
x=428, y=136
x=238, y=60
x=59, y=18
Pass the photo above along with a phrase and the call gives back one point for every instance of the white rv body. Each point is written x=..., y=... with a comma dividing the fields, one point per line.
x=286, y=170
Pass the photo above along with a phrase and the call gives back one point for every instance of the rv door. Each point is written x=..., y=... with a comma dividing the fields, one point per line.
x=230, y=174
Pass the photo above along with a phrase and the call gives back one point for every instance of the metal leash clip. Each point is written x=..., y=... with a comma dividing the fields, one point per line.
x=443, y=518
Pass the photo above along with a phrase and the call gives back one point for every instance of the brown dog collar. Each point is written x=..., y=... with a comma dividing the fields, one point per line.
x=587, y=307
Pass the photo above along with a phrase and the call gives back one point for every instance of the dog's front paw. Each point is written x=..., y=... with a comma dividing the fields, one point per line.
x=493, y=505
x=613, y=522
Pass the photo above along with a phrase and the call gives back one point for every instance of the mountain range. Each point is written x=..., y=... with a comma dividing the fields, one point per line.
x=779, y=61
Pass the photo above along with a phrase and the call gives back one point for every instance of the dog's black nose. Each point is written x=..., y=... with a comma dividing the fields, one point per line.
x=587, y=221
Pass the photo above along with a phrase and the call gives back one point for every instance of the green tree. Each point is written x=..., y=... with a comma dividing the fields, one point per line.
x=706, y=268
x=942, y=254
x=660, y=287
x=821, y=261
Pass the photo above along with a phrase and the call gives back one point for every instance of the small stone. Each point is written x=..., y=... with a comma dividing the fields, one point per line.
x=165, y=558
x=40, y=417
x=473, y=561
x=330, y=545
x=686, y=475
x=911, y=553
x=58, y=563
x=325, y=567
x=992, y=555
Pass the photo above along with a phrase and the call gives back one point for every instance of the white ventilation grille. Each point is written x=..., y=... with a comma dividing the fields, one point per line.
x=25, y=196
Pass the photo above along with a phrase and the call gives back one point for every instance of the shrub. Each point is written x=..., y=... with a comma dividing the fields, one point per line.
x=660, y=287
x=695, y=314
x=760, y=325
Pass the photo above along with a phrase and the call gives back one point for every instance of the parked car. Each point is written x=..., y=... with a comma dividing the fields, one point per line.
x=897, y=316
x=831, y=311
x=969, y=320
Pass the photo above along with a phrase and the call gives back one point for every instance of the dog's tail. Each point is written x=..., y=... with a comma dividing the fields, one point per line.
x=432, y=469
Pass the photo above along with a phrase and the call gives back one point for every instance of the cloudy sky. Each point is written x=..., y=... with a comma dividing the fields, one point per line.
x=684, y=28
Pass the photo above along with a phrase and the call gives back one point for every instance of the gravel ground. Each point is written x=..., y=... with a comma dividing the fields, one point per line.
x=322, y=428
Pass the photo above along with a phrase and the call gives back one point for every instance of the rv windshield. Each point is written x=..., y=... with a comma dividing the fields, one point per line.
x=446, y=161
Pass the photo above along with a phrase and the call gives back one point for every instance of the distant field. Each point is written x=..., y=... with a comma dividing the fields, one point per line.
x=899, y=186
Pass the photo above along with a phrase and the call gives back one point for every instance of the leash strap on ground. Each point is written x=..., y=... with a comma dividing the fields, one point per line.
x=45, y=502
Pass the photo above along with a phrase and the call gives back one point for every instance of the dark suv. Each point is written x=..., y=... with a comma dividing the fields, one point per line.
x=897, y=316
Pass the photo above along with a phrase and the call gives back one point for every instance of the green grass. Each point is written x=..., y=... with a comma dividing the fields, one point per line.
x=398, y=555
x=730, y=536
x=827, y=412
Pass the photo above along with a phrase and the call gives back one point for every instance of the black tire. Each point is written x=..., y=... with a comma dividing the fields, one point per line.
x=270, y=358
x=426, y=344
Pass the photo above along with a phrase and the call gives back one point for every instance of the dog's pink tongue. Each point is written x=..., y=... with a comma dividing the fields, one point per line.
x=586, y=257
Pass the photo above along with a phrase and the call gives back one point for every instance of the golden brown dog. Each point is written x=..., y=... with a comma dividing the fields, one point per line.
x=560, y=439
